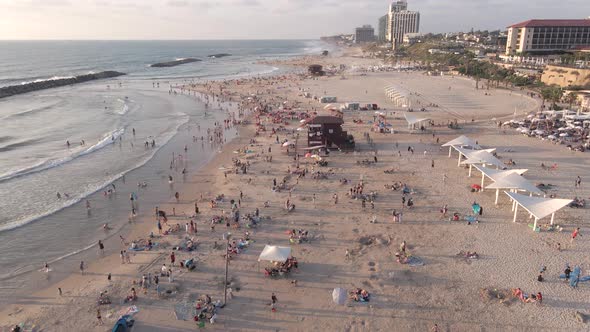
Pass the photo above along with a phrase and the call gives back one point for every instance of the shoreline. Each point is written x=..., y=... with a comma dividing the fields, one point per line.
x=64, y=263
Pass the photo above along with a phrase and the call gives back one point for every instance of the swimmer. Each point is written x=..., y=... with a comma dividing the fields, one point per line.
x=58, y=195
x=170, y=179
x=106, y=227
x=88, y=204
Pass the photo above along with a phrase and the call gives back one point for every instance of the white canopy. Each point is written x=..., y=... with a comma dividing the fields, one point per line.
x=483, y=157
x=275, y=254
x=495, y=174
x=412, y=119
x=539, y=207
x=462, y=141
x=467, y=153
x=516, y=182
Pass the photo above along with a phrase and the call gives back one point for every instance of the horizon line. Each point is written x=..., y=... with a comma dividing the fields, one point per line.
x=223, y=39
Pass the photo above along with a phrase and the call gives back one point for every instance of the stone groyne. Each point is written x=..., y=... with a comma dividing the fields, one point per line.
x=12, y=90
x=174, y=63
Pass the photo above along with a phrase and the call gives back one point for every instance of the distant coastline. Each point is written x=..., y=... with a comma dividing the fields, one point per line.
x=12, y=90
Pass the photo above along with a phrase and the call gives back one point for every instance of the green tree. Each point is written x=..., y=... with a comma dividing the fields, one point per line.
x=571, y=98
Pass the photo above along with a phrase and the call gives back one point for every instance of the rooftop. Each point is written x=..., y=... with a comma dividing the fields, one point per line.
x=326, y=119
x=552, y=23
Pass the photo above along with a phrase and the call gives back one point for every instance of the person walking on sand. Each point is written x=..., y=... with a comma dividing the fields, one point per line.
x=575, y=234
x=177, y=196
x=172, y=259
x=100, y=247
x=578, y=182
x=273, y=302
x=99, y=317
x=122, y=256
x=82, y=267
x=335, y=197
x=127, y=257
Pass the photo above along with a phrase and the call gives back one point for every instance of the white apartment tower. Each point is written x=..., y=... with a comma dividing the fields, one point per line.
x=400, y=22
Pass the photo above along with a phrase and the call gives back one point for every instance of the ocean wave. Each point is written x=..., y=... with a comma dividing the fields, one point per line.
x=35, y=110
x=13, y=146
x=78, y=198
x=123, y=110
x=54, y=78
x=107, y=139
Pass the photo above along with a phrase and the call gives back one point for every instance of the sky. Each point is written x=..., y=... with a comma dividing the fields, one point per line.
x=255, y=19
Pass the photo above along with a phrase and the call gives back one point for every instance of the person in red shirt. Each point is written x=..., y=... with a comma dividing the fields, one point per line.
x=575, y=234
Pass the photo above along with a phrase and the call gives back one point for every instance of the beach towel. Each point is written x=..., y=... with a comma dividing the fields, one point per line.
x=414, y=261
x=129, y=311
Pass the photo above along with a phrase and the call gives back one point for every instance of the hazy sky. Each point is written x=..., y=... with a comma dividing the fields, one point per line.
x=255, y=19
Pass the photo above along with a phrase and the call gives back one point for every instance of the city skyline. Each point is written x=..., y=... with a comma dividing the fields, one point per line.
x=256, y=19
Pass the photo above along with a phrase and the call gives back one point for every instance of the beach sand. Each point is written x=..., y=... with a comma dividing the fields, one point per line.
x=446, y=290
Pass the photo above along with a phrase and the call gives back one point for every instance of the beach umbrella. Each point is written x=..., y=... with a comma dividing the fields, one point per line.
x=303, y=121
x=328, y=106
x=563, y=135
x=288, y=143
x=339, y=296
x=299, y=129
x=551, y=137
x=562, y=129
x=307, y=155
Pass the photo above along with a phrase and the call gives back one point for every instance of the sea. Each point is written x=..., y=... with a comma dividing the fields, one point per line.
x=106, y=123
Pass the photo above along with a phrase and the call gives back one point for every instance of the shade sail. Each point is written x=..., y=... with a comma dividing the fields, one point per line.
x=469, y=153
x=412, y=119
x=494, y=174
x=539, y=207
x=275, y=253
x=515, y=181
x=463, y=141
x=483, y=157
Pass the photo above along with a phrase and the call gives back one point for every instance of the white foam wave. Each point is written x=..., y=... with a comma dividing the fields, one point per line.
x=54, y=78
x=108, y=138
x=77, y=198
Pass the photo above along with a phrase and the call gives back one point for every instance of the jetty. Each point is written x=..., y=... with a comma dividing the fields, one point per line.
x=219, y=55
x=175, y=62
x=12, y=90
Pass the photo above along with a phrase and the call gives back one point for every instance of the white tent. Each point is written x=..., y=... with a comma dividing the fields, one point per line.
x=539, y=207
x=413, y=120
x=275, y=254
x=495, y=174
x=514, y=182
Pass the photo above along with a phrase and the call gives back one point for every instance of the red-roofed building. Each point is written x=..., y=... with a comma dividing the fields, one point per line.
x=545, y=36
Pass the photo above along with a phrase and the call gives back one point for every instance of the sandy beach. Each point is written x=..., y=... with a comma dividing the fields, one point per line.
x=349, y=246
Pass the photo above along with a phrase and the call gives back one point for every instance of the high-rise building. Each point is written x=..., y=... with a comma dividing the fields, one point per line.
x=382, y=30
x=545, y=36
x=398, y=6
x=364, y=34
x=400, y=22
